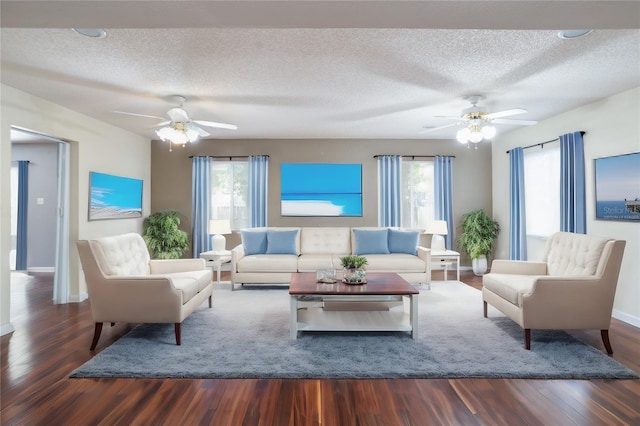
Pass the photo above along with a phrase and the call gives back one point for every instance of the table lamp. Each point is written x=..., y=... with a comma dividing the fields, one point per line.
x=437, y=228
x=217, y=228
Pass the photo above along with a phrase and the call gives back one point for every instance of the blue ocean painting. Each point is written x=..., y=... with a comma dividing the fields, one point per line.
x=618, y=187
x=321, y=189
x=114, y=197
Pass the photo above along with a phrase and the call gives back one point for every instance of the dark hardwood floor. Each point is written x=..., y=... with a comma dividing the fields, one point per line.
x=52, y=340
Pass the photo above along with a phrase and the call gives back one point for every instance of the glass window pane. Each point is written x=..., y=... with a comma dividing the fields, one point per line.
x=542, y=191
x=417, y=193
x=230, y=192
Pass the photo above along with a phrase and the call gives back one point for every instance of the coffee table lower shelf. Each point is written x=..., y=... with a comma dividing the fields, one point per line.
x=316, y=318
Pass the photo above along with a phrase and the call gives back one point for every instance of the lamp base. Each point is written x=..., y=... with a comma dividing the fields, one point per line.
x=438, y=243
x=218, y=243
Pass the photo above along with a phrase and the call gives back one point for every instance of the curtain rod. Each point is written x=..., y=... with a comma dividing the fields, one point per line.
x=416, y=156
x=545, y=142
x=17, y=161
x=230, y=157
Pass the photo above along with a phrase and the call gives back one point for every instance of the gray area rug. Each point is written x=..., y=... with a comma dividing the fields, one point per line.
x=246, y=335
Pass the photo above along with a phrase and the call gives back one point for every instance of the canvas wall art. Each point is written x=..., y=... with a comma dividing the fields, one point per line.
x=114, y=197
x=618, y=187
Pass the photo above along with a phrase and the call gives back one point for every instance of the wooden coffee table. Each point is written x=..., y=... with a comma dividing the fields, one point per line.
x=342, y=307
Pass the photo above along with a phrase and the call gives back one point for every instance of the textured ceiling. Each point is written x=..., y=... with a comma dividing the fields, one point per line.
x=303, y=69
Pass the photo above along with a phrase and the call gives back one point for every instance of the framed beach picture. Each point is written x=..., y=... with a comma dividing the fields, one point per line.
x=114, y=197
x=618, y=187
x=321, y=189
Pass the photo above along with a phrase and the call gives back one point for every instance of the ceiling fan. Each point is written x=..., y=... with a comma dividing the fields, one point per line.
x=180, y=128
x=477, y=121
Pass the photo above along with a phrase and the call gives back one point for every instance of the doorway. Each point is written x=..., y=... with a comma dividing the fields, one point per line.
x=41, y=227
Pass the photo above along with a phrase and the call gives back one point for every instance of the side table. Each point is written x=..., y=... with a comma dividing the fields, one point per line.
x=216, y=259
x=440, y=259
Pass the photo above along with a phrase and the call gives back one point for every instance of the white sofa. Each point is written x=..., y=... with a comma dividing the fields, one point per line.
x=309, y=249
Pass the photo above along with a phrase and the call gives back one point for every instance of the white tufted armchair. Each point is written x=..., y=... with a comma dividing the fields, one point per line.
x=125, y=285
x=572, y=288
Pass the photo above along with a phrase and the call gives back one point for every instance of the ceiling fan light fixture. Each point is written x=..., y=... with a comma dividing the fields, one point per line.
x=475, y=136
x=177, y=134
x=463, y=135
x=488, y=132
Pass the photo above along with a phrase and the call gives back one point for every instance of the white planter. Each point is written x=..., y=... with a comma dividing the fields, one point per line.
x=479, y=265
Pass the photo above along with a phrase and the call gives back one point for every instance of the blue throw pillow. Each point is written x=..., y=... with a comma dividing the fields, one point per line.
x=254, y=242
x=403, y=241
x=371, y=242
x=282, y=242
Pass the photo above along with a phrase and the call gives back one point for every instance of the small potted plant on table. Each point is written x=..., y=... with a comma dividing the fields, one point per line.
x=354, y=272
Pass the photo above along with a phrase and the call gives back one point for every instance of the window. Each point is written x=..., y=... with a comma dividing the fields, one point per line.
x=417, y=194
x=542, y=191
x=230, y=192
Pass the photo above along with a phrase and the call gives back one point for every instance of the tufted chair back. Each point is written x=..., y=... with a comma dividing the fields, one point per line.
x=569, y=254
x=124, y=254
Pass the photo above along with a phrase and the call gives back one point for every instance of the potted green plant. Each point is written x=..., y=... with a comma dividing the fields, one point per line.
x=165, y=240
x=479, y=233
x=354, y=269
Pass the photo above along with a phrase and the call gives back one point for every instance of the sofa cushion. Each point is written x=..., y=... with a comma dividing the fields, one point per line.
x=202, y=277
x=403, y=241
x=313, y=262
x=321, y=240
x=371, y=241
x=268, y=263
x=510, y=287
x=254, y=241
x=395, y=262
x=282, y=242
x=185, y=284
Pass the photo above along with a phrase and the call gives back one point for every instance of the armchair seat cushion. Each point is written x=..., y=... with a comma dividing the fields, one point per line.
x=186, y=281
x=510, y=287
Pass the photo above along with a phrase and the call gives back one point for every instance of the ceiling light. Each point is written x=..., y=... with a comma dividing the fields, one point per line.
x=475, y=133
x=91, y=32
x=571, y=34
x=177, y=133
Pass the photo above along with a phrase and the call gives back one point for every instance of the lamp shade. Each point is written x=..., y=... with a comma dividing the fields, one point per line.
x=219, y=227
x=437, y=227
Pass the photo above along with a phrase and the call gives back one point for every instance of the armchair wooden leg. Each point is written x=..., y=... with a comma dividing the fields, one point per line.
x=96, y=335
x=485, y=308
x=177, y=328
x=605, y=340
x=210, y=301
x=527, y=339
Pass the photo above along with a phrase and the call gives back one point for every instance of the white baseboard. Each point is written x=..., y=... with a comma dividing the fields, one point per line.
x=37, y=269
x=624, y=317
x=79, y=298
x=6, y=329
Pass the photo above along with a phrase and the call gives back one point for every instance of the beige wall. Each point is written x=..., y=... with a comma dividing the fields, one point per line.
x=612, y=127
x=171, y=173
x=95, y=146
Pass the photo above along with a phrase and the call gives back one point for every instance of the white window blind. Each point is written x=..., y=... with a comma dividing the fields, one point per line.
x=542, y=190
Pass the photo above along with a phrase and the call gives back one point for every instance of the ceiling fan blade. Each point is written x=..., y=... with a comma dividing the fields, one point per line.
x=164, y=123
x=506, y=113
x=218, y=125
x=438, y=128
x=201, y=132
x=446, y=117
x=178, y=115
x=517, y=122
x=139, y=115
